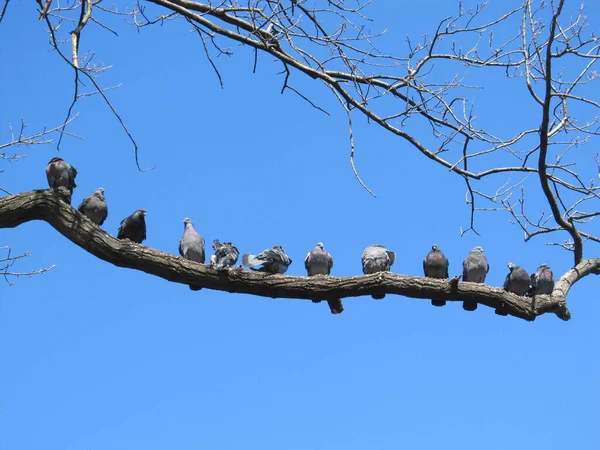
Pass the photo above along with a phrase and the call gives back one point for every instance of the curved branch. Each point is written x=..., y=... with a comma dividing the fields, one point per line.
x=50, y=206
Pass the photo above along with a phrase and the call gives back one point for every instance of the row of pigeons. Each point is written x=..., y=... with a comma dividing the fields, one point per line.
x=375, y=258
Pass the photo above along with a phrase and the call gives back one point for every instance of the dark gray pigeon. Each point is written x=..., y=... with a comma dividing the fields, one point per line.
x=435, y=265
x=94, y=207
x=133, y=227
x=61, y=173
x=542, y=281
x=226, y=255
x=377, y=258
x=475, y=268
x=273, y=260
x=319, y=262
x=517, y=281
x=191, y=246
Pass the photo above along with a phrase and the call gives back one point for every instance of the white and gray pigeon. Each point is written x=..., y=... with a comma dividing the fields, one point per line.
x=517, y=281
x=191, y=246
x=94, y=207
x=272, y=260
x=435, y=265
x=61, y=173
x=226, y=255
x=542, y=281
x=133, y=227
x=475, y=268
x=377, y=258
x=319, y=262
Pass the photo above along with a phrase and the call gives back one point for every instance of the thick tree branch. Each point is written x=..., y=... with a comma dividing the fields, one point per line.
x=49, y=206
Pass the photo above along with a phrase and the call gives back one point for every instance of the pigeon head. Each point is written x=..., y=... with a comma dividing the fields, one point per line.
x=140, y=212
x=511, y=266
x=544, y=266
x=55, y=159
x=477, y=249
x=320, y=245
x=434, y=248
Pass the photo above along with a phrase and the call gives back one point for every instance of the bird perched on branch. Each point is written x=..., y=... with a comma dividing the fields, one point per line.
x=94, y=207
x=319, y=262
x=517, y=281
x=273, y=260
x=377, y=258
x=133, y=227
x=435, y=265
x=475, y=268
x=542, y=281
x=61, y=173
x=191, y=246
x=226, y=255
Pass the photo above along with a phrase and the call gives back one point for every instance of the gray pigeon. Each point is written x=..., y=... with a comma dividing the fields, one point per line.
x=273, y=260
x=475, y=268
x=94, y=207
x=133, y=227
x=542, y=281
x=435, y=265
x=226, y=255
x=517, y=281
x=319, y=262
x=377, y=258
x=191, y=246
x=61, y=173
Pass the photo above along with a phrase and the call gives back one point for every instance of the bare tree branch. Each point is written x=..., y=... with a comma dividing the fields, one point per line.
x=8, y=260
x=38, y=138
x=3, y=13
x=47, y=205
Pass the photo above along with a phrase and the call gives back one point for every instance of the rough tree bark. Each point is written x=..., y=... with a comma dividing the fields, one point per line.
x=49, y=206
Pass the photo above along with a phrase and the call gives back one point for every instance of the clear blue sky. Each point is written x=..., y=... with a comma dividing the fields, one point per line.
x=94, y=356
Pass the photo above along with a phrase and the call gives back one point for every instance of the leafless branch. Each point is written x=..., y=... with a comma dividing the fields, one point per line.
x=7, y=261
x=48, y=205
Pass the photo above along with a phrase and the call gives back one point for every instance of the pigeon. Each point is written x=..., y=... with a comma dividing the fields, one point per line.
x=191, y=246
x=273, y=260
x=542, y=281
x=226, y=255
x=133, y=227
x=517, y=281
x=475, y=268
x=319, y=262
x=377, y=258
x=61, y=173
x=94, y=207
x=435, y=265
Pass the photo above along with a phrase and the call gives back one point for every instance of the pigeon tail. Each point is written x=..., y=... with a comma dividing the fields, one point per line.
x=438, y=302
x=251, y=261
x=378, y=296
x=335, y=306
x=469, y=305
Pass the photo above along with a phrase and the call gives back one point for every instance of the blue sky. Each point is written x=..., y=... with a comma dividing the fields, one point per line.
x=99, y=357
